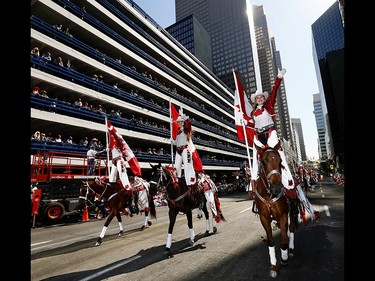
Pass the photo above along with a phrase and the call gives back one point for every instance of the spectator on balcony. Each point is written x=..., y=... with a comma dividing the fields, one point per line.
x=58, y=26
x=68, y=64
x=47, y=56
x=59, y=61
x=78, y=103
x=112, y=114
x=100, y=146
x=58, y=139
x=36, y=136
x=86, y=106
x=35, y=91
x=118, y=113
x=84, y=142
x=69, y=141
x=43, y=94
x=35, y=52
x=93, y=142
x=50, y=137
x=100, y=109
x=67, y=32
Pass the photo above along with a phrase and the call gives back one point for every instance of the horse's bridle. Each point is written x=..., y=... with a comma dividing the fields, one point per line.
x=268, y=184
x=163, y=187
x=100, y=195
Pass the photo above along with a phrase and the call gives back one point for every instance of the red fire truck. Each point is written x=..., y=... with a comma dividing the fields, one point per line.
x=59, y=176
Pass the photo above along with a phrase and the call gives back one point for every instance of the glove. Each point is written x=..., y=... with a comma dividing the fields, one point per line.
x=250, y=123
x=244, y=121
x=281, y=73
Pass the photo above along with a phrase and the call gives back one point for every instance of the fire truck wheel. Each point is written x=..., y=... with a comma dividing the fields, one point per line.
x=54, y=211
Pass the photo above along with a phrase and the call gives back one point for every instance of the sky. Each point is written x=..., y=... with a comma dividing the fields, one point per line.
x=289, y=22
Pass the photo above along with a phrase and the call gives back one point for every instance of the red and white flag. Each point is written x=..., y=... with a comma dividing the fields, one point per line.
x=242, y=110
x=197, y=163
x=174, y=115
x=116, y=139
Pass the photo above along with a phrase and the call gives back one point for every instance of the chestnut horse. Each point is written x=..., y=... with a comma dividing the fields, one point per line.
x=118, y=199
x=181, y=200
x=273, y=205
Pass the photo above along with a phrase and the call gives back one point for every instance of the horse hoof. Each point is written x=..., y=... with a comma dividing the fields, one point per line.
x=273, y=273
x=291, y=252
x=149, y=223
x=214, y=229
x=143, y=227
x=283, y=262
x=98, y=242
x=207, y=233
x=168, y=252
x=121, y=234
x=191, y=242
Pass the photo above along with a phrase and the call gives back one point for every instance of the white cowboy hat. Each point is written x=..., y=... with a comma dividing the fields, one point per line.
x=182, y=117
x=258, y=93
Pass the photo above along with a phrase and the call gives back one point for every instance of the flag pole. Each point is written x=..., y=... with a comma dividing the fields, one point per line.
x=170, y=127
x=107, y=143
x=243, y=125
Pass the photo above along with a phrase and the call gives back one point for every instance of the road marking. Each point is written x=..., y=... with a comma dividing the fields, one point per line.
x=41, y=243
x=326, y=209
x=110, y=268
x=245, y=210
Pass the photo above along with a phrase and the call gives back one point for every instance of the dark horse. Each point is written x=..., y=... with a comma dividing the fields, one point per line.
x=181, y=199
x=273, y=205
x=118, y=200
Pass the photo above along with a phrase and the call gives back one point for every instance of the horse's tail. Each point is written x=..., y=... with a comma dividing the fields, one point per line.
x=151, y=203
x=294, y=211
x=218, y=207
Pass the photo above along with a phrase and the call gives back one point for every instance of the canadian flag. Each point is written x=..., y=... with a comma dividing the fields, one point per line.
x=197, y=163
x=115, y=139
x=242, y=110
x=174, y=114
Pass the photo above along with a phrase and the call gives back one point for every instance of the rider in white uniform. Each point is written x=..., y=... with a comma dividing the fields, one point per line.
x=183, y=153
x=266, y=135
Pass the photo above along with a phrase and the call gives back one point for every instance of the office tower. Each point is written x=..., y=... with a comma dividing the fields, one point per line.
x=230, y=26
x=320, y=125
x=192, y=35
x=297, y=127
x=328, y=53
x=269, y=62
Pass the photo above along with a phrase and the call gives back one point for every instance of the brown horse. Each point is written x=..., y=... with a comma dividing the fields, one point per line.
x=273, y=205
x=119, y=199
x=181, y=200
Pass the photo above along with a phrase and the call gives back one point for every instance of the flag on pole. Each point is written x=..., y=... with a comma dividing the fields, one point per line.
x=116, y=139
x=242, y=110
x=197, y=163
x=198, y=166
x=174, y=115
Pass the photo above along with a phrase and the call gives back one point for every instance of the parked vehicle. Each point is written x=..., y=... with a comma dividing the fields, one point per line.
x=59, y=176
